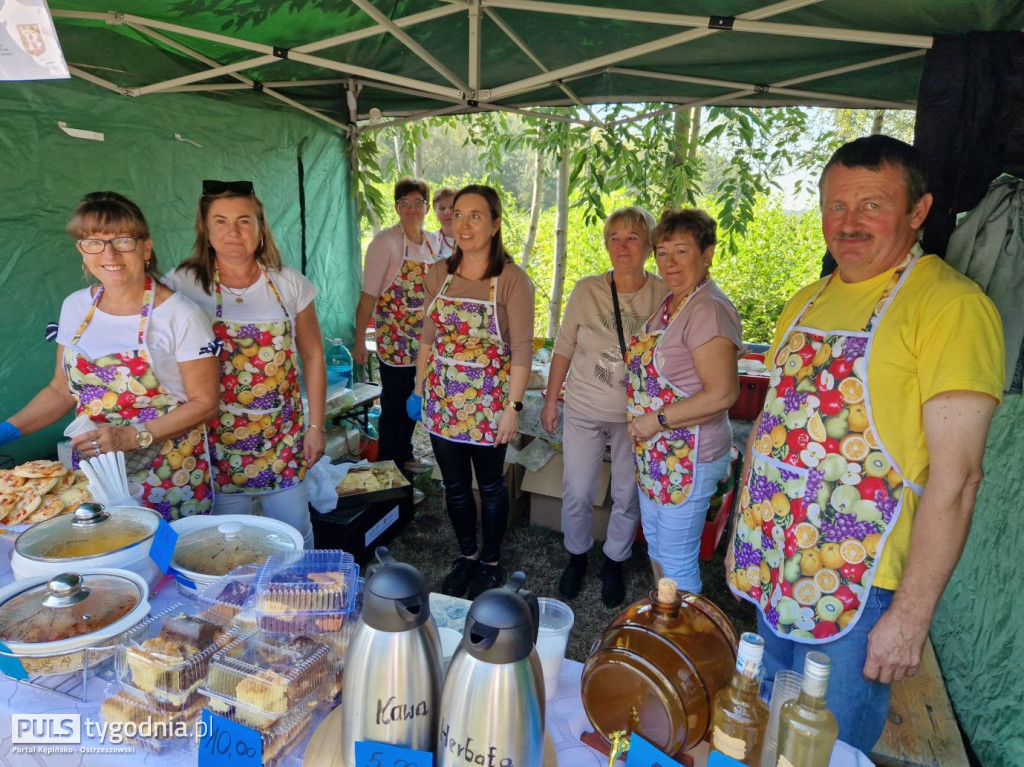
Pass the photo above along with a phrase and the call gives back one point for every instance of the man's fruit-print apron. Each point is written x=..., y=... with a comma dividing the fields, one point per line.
x=823, y=492
x=468, y=368
x=400, y=312
x=664, y=464
x=120, y=389
x=256, y=441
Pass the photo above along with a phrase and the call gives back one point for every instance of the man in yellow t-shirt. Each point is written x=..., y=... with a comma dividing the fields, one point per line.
x=931, y=359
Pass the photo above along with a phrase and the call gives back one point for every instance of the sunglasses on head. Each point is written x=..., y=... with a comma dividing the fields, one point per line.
x=212, y=187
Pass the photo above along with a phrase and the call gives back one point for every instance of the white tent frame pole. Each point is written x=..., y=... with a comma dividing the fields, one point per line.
x=754, y=87
x=241, y=78
x=88, y=77
x=411, y=118
x=493, y=15
x=298, y=53
x=489, y=107
x=474, y=45
x=852, y=68
x=396, y=32
x=540, y=81
x=742, y=23
x=455, y=99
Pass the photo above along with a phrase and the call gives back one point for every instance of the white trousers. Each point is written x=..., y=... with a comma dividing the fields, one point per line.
x=290, y=506
x=583, y=442
x=673, y=532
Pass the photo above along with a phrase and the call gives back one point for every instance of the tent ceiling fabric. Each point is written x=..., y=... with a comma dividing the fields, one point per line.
x=409, y=58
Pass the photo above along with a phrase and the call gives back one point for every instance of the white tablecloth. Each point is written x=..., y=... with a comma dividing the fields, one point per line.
x=566, y=719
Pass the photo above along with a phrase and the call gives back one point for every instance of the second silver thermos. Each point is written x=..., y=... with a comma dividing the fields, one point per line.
x=492, y=707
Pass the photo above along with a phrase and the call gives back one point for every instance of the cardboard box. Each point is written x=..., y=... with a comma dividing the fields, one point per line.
x=361, y=523
x=545, y=489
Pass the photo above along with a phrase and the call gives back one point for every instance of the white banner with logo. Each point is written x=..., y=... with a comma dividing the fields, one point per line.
x=28, y=42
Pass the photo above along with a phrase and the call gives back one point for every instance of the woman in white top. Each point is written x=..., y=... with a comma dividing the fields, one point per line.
x=602, y=314
x=134, y=357
x=444, y=211
x=266, y=323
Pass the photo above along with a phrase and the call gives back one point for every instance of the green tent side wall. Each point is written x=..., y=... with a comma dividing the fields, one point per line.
x=46, y=172
x=977, y=628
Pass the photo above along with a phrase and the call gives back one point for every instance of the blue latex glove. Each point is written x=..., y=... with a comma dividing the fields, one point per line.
x=414, y=407
x=8, y=433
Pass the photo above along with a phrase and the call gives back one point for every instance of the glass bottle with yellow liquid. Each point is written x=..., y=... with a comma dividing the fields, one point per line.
x=739, y=717
x=808, y=730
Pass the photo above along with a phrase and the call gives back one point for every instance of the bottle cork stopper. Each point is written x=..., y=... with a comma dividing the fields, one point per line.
x=666, y=590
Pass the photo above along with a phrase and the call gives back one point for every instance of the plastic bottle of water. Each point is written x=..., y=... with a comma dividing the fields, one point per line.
x=339, y=364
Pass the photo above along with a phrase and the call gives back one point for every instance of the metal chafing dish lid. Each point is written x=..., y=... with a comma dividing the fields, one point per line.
x=91, y=531
x=67, y=606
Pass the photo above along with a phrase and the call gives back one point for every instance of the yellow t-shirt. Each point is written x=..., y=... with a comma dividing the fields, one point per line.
x=940, y=333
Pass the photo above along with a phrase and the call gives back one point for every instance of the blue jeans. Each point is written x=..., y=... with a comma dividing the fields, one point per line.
x=459, y=461
x=860, y=706
x=673, y=532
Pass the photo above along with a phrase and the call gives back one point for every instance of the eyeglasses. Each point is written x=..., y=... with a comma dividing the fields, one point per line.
x=212, y=187
x=120, y=244
x=411, y=203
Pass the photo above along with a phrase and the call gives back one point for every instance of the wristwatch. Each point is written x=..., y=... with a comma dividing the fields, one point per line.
x=517, y=406
x=144, y=436
x=662, y=419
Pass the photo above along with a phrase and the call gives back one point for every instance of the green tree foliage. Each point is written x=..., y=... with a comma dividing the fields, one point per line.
x=778, y=253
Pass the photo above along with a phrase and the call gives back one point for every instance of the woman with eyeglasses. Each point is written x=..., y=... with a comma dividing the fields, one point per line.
x=471, y=375
x=136, y=358
x=396, y=263
x=265, y=320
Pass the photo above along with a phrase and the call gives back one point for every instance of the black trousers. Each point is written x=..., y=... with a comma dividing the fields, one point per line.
x=457, y=462
x=395, y=427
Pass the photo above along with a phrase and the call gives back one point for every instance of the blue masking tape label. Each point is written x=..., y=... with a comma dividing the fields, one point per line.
x=370, y=754
x=228, y=743
x=164, y=541
x=11, y=666
x=180, y=578
x=643, y=754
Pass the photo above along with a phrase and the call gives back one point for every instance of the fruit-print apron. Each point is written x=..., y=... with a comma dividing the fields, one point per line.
x=468, y=368
x=664, y=464
x=400, y=312
x=120, y=389
x=823, y=491
x=256, y=442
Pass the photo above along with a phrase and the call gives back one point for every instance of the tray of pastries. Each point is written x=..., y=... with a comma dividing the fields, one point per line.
x=167, y=656
x=258, y=678
x=370, y=478
x=39, y=490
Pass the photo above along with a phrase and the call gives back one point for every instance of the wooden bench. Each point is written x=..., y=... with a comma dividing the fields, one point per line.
x=921, y=729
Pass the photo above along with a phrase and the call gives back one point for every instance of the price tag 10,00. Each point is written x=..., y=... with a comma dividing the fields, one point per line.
x=643, y=754
x=228, y=743
x=370, y=754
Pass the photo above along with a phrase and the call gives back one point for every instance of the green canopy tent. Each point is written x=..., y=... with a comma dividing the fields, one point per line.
x=188, y=89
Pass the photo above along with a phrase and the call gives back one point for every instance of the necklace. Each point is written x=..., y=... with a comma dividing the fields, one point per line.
x=239, y=293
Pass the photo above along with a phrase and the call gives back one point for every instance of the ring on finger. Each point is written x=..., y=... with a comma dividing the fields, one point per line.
x=96, y=446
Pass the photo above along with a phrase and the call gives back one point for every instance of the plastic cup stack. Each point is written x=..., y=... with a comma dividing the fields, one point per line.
x=786, y=687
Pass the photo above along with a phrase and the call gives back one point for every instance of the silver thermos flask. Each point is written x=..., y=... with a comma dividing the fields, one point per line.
x=392, y=680
x=492, y=707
